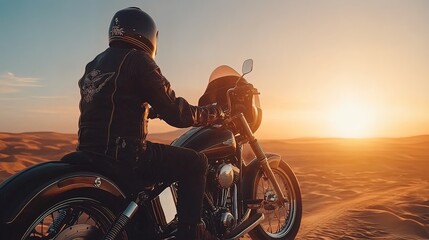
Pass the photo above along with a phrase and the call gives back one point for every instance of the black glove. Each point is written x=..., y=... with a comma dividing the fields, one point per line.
x=210, y=114
x=152, y=114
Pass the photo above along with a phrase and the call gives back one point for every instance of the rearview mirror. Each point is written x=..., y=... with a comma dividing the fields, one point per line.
x=247, y=66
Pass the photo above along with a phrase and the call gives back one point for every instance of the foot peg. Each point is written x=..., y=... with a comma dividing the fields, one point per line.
x=253, y=203
x=245, y=227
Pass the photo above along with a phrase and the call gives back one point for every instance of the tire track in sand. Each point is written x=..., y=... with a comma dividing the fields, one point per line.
x=317, y=221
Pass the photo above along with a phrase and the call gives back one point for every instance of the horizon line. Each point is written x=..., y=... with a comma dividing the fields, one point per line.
x=292, y=138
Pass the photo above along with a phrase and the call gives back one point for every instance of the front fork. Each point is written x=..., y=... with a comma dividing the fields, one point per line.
x=260, y=156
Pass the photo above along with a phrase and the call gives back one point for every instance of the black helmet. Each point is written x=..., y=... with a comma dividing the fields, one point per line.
x=136, y=27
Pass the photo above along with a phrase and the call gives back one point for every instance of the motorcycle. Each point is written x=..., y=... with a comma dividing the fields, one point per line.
x=82, y=196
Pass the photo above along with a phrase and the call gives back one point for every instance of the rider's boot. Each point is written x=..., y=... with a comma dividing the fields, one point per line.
x=195, y=232
x=201, y=233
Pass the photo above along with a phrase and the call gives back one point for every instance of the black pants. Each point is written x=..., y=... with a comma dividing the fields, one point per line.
x=162, y=163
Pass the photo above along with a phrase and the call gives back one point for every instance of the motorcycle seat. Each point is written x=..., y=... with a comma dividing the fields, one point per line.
x=109, y=167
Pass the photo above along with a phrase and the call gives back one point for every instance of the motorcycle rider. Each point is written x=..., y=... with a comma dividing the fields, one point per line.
x=116, y=90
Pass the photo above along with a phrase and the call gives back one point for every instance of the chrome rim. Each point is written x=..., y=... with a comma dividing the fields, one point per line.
x=279, y=219
x=77, y=218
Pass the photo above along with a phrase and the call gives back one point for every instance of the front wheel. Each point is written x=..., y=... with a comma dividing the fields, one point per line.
x=281, y=221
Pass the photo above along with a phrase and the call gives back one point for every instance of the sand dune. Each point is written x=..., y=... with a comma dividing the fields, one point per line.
x=351, y=188
x=361, y=189
x=18, y=151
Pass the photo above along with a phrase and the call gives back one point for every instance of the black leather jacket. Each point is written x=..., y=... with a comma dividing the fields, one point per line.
x=116, y=88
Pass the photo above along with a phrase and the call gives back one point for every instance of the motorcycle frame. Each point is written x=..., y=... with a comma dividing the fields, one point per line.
x=240, y=191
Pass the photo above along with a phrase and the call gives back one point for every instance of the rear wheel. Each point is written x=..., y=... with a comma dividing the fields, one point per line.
x=281, y=221
x=68, y=218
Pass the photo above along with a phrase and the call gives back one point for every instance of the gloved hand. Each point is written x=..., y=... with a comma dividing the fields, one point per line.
x=152, y=114
x=215, y=113
x=211, y=114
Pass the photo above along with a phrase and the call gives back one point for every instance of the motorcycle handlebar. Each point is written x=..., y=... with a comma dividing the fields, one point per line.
x=239, y=90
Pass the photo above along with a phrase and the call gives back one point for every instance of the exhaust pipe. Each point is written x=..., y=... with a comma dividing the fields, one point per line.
x=245, y=226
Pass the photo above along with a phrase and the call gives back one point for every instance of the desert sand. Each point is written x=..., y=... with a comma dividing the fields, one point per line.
x=351, y=188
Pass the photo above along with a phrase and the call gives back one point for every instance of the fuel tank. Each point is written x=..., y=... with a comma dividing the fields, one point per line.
x=212, y=141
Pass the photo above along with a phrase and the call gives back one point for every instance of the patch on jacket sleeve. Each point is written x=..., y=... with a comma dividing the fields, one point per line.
x=93, y=82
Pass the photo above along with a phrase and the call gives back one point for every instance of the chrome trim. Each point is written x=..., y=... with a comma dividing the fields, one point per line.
x=97, y=182
x=225, y=175
x=227, y=220
x=229, y=142
x=248, y=229
x=246, y=215
x=130, y=210
x=235, y=204
x=224, y=197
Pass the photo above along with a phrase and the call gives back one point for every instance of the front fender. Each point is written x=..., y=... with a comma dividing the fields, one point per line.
x=252, y=169
x=32, y=186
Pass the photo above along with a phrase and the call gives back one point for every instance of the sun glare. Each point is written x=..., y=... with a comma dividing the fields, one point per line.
x=352, y=119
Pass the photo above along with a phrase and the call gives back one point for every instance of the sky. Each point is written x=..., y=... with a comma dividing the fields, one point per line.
x=334, y=68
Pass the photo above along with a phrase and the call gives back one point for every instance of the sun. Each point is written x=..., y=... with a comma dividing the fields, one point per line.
x=352, y=119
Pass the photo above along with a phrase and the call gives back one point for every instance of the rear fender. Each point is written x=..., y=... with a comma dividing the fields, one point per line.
x=36, y=184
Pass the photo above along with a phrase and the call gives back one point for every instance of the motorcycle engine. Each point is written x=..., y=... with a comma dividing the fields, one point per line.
x=227, y=174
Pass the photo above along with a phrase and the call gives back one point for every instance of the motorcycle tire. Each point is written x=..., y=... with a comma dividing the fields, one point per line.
x=280, y=222
x=79, y=214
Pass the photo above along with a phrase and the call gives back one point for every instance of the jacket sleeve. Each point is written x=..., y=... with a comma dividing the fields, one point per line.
x=176, y=111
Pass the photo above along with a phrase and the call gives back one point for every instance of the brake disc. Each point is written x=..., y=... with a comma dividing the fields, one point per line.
x=79, y=232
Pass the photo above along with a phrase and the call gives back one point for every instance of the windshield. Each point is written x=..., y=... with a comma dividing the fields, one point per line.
x=223, y=71
x=221, y=79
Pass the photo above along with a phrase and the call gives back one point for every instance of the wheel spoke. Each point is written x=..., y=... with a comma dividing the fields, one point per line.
x=278, y=217
x=86, y=218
